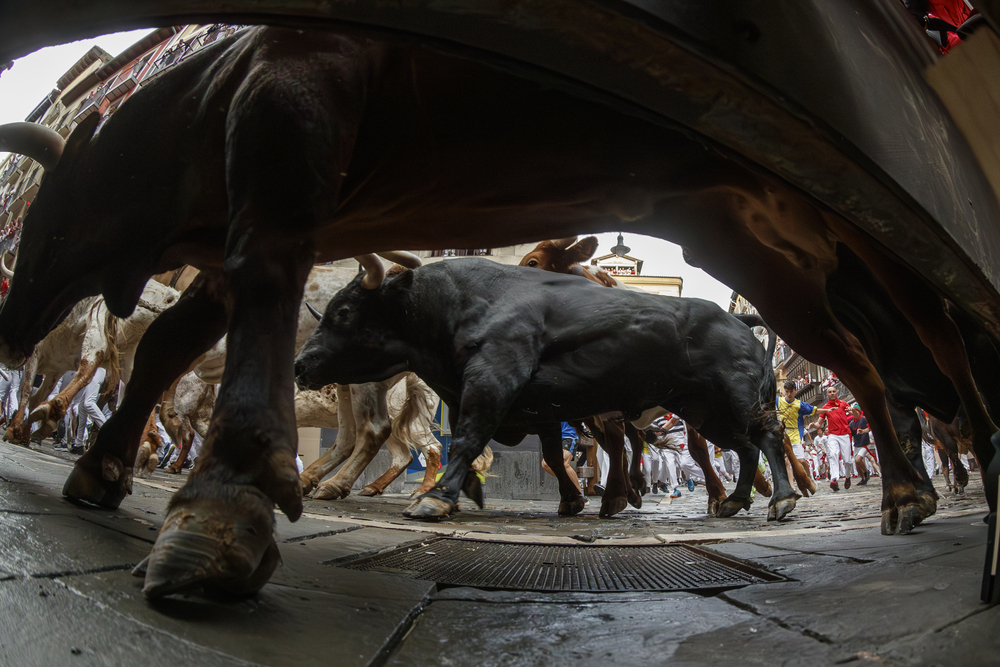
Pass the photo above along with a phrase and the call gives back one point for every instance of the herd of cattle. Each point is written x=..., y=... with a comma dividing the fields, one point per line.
x=274, y=150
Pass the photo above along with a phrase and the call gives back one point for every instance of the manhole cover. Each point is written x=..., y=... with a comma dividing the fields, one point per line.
x=534, y=567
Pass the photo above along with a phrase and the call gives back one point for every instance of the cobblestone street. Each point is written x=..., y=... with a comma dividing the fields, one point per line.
x=852, y=594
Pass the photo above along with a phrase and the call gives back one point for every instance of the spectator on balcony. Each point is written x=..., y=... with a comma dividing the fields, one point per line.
x=839, y=452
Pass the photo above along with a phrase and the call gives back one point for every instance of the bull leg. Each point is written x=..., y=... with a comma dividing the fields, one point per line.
x=802, y=479
x=698, y=448
x=927, y=313
x=372, y=428
x=485, y=400
x=103, y=475
x=218, y=533
x=907, y=425
x=16, y=432
x=342, y=448
x=55, y=409
x=760, y=482
x=149, y=447
x=432, y=456
x=637, y=479
x=185, y=438
x=401, y=458
x=612, y=441
x=37, y=399
x=783, y=500
x=740, y=499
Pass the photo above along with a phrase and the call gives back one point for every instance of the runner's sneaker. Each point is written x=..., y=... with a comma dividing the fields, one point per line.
x=847, y=482
x=834, y=486
x=676, y=493
x=61, y=448
x=690, y=485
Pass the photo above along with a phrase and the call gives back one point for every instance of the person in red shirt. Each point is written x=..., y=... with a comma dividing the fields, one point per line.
x=838, y=440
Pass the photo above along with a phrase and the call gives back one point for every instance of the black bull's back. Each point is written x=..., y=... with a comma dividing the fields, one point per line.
x=571, y=348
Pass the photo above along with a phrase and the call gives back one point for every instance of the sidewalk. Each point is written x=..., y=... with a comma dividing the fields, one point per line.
x=67, y=596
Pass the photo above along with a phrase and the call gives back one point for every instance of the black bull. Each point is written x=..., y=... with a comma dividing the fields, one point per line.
x=514, y=351
x=267, y=152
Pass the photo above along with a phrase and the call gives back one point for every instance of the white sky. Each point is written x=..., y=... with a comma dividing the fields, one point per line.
x=34, y=76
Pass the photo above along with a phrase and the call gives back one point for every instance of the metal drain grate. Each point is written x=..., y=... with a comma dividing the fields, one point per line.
x=533, y=567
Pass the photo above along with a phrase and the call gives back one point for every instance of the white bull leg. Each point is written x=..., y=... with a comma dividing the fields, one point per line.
x=371, y=418
x=401, y=458
x=16, y=432
x=342, y=448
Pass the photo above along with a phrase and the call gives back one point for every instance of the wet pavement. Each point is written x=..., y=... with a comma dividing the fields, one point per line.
x=67, y=596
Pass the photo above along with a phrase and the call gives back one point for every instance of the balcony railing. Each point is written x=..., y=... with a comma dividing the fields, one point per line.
x=461, y=252
x=181, y=51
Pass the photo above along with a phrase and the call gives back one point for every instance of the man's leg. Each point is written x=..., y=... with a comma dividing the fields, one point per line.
x=832, y=460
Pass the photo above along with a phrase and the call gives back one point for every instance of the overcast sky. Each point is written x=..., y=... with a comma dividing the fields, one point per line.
x=34, y=76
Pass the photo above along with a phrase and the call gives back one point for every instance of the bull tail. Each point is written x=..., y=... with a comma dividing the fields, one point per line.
x=417, y=406
x=768, y=390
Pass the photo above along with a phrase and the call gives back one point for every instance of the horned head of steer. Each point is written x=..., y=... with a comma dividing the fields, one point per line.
x=358, y=338
x=60, y=250
x=560, y=255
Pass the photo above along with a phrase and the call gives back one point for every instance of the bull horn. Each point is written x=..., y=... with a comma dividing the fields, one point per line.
x=376, y=272
x=564, y=243
x=38, y=142
x=403, y=258
x=315, y=313
x=7, y=273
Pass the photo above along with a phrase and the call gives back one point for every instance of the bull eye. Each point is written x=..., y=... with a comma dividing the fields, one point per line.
x=343, y=312
x=533, y=262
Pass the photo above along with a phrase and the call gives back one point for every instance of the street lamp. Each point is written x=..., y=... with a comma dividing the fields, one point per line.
x=621, y=249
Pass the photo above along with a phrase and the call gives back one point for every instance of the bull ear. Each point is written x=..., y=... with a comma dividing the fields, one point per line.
x=80, y=137
x=402, y=281
x=583, y=250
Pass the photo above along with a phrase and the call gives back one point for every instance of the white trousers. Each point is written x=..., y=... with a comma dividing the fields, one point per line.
x=85, y=403
x=10, y=390
x=839, y=447
x=689, y=467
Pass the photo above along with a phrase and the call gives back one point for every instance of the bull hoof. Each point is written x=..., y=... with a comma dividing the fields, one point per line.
x=421, y=490
x=732, y=506
x=369, y=491
x=307, y=485
x=634, y=499
x=145, y=460
x=928, y=503
x=572, y=507
x=714, y=505
x=214, y=545
x=780, y=509
x=108, y=489
x=331, y=491
x=429, y=509
x=909, y=518
x=611, y=506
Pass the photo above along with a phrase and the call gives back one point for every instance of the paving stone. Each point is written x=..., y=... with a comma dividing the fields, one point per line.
x=307, y=526
x=279, y=626
x=306, y=565
x=862, y=605
x=32, y=545
x=448, y=632
x=746, y=550
x=44, y=623
x=973, y=641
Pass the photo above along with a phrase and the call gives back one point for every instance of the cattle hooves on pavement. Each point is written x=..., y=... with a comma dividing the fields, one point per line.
x=611, y=506
x=780, y=509
x=928, y=504
x=572, y=507
x=330, y=491
x=909, y=518
x=83, y=485
x=369, y=491
x=206, y=545
x=429, y=509
x=732, y=506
